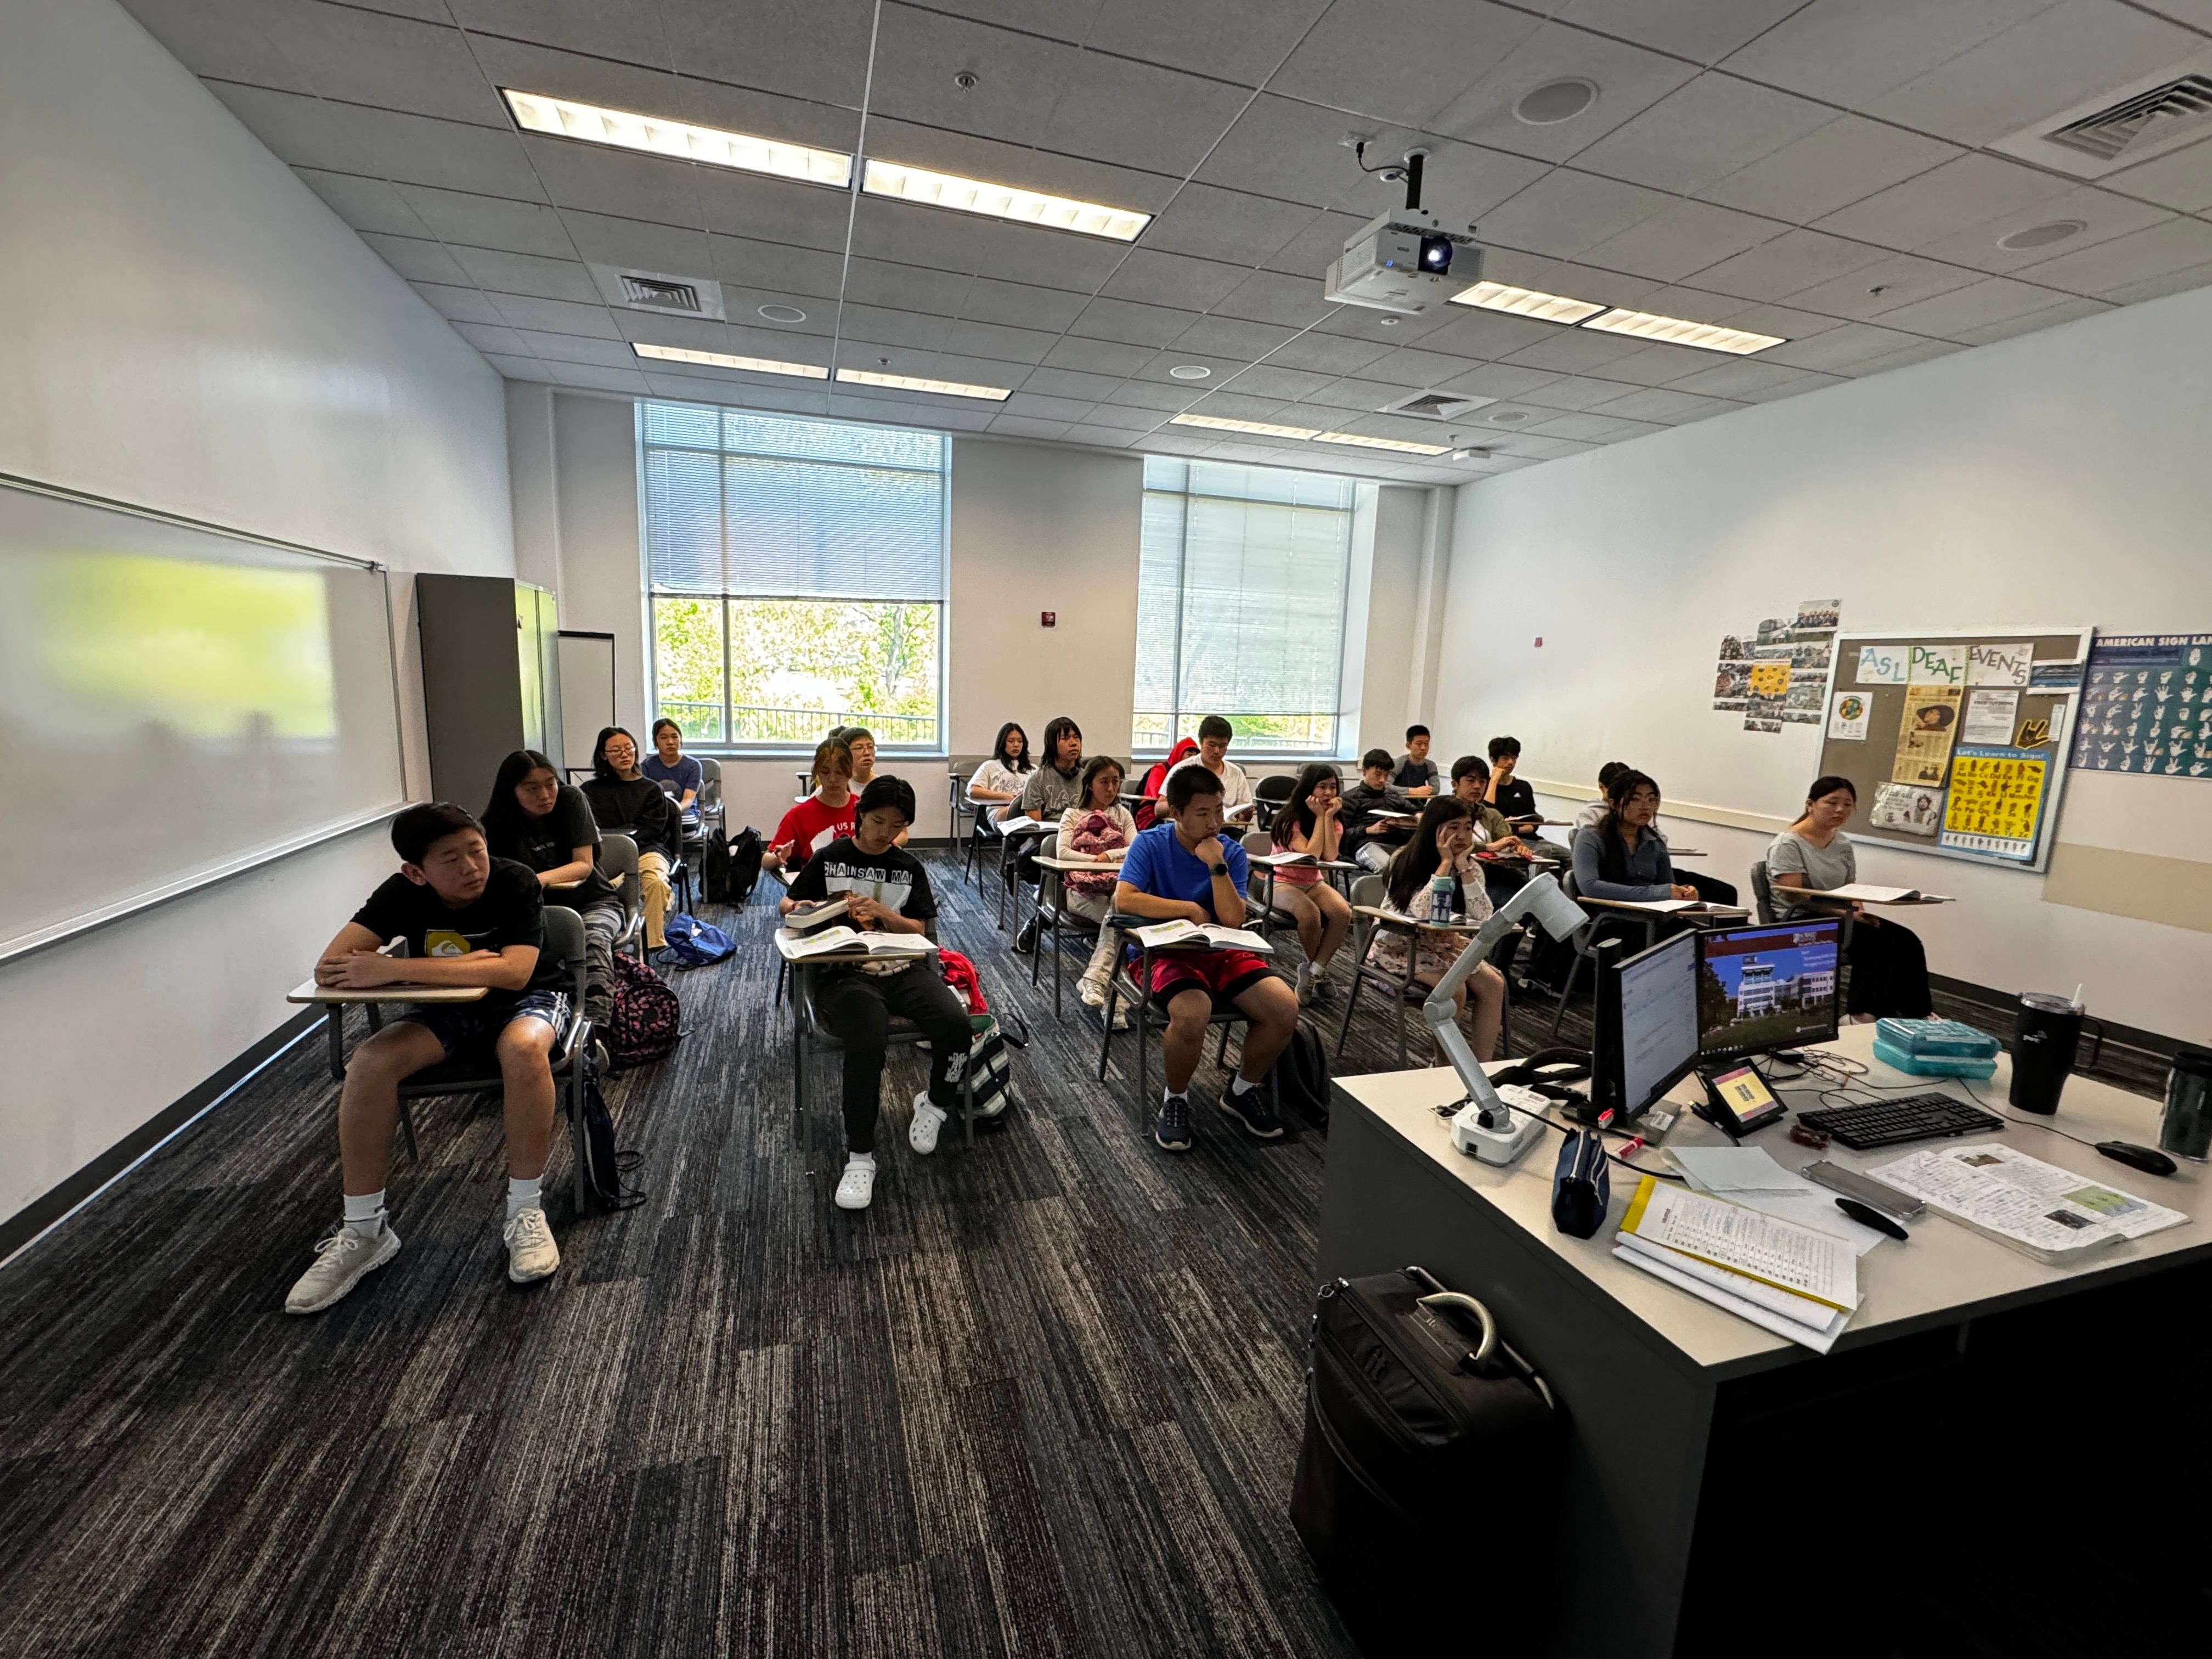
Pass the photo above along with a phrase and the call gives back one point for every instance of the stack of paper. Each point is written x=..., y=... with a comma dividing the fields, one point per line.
x=1788, y=1280
x=1747, y=1175
x=2049, y=1213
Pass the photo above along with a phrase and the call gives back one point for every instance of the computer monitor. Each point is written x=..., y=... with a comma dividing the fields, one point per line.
x=1766, y=987
x=1646, y=1023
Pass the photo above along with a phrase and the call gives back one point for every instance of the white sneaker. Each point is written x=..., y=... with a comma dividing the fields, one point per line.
x=928, y=1118
x=341, y=1261
x=1305, y=982
x=531, y=1252
x=856, y=1186
x=1091, y=992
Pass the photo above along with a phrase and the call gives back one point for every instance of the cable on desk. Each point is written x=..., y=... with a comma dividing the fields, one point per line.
x=2024, y=1123
x=1546, y=1119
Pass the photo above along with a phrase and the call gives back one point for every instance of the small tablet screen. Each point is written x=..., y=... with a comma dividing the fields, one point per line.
x=1744, y=1095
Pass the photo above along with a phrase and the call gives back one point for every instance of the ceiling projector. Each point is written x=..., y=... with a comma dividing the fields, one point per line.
x=1404, y=261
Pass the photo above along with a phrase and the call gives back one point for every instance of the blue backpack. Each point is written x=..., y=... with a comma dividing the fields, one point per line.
x=696, y=944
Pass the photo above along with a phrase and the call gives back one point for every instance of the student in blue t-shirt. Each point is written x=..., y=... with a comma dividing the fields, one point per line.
x=1185, y=869
x=676, y=772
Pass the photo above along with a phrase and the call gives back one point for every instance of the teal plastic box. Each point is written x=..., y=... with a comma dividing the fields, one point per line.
x=1930, y=1065
x=1945, y=1039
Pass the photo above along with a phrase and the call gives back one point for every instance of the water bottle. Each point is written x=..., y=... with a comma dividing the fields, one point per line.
x=2186, y=1128
x=1440, y=898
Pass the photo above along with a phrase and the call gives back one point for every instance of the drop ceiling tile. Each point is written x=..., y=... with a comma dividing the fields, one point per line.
x=1683, y=238
x=1501, y=380
x=1048, y=258
x=587, y=377
x=1266, y=381
x=1231, y=405
x=1550, y=449
x=1951, y=316
x=1400, y=60
x=361, y=57
x=412, y=149
x=2101, y=214
x=2156, y=288
x=1841, y=348
x=1389, y=330
x=558, y=316
x=1566, y=212
x=1629, y=80
x=1568, y=276
x=1038, y=407
x=1460, y=183
x=1663, y=405
x=770, y=339
x=1126, y=420
x=580, y=349
x=1099, y=357
x=1417, y=370
x=1944, y=200
x=1139, y=115
x=1919, y=352
x=1589, y=428
x=527, y=274
x=1704, y=31
x=1020, y=426
x=1829, y=168
x=1573, y=393
x=1019, y=76
x=1069, y=384
x=2067, y=312
x=1314, y=249
x=2182, y=179
x=366, y=203
x=902, y=233
x=1130, y=324
x=1470, y=332
x=494, y=221
x=1212, y=223
x=1172, y=279
x=1270, y=296
x=910, y=331
x=2073, y=51
x=972, y=156
x=1012, y=345
x=1808, y=381
x=1327, y=354
x=816, y=49
x=461, y=305
x=1784, y=321
x=2177, y=245
x=1145, y=394
x=1293, y=151
x=815, y=272
x=1104, y=437
x=1237, y=40
x=638, y=244
x=1791, y=262
x=1740, y=379
x=1575, y=351
x=417, y=260
x=621, y=183
x=1227, y=336
x=607, y=31
x=1017, y=305
x=1656, y=362
x=1706, y=130
x=1852, y=51
x=1903, y=278
x=957, y=367
x=773, y=209
x=236, y=42
x=488, y=339
x=696, y=334
x=698, y=384
x=523, y=368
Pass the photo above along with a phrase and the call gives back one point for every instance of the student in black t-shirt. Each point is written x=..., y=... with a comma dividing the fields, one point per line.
x=469, y=919
x=536, y=819
x=626, y=802
x=886, y=891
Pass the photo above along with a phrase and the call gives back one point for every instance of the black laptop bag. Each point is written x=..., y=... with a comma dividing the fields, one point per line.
x=1425, y=1436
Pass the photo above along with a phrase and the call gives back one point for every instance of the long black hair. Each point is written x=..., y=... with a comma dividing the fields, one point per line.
x=1092, y=768
x=1299, y=810
x=1413, y=865
x=1022, y=763
x=503, y=814
x=1625, y=782
x=1827, y=784
x=1061, y=726
x=601, y=772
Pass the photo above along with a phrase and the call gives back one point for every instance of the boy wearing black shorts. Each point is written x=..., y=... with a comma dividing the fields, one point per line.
x=469, y=920
x=1185, y=869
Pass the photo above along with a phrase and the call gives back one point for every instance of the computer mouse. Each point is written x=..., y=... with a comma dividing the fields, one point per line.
x=2148, y=1159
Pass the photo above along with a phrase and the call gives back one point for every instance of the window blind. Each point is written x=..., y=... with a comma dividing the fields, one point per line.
x=776, y=506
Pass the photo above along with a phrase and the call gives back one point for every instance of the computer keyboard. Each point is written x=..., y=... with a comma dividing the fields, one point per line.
x=1890, y=1122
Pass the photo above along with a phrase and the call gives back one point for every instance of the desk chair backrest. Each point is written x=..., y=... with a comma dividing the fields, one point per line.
x=1270, y=796
x=618, y=862
x=564, y=938
x=1258, y=841
x=710, y=788
x=1762, y=892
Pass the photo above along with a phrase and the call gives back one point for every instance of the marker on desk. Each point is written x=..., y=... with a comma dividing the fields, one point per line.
x=1866, y=1215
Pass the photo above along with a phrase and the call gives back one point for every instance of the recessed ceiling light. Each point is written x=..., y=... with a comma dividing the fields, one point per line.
x=1189, y=372
x=2042, y=236
x=1027, y=207
x=997, y=394
x=566, y=117
x=783, y=313
x=1556, y=101
x=1526, y=302
x=1258, y=428
x=1677, y=330
x=723, y=359
x=1508, y=417
x=1360, y=439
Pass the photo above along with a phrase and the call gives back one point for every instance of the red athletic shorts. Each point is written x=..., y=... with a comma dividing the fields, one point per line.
x=1224, y=973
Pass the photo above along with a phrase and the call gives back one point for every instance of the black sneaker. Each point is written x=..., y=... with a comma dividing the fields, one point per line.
x=1251, y=1110
x=1172, y=1129
x=1025, y=941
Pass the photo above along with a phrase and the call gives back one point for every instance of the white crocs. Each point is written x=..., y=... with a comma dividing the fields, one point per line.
x=928, y=1118
x=856, y=1186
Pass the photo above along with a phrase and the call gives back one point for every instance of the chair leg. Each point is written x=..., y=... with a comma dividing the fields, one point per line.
x=336, y=1021
x=407, y=1123
x=1106, y=1032
x=1059, y=965
x=1505, y=1020
x=1221, y=1050
x=798, y=1073
x=1344, y=1031
x=1566, y=993
x=782, y=970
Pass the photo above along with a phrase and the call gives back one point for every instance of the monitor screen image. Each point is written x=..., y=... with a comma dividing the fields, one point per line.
x=1658, y=993
x=1761, y=988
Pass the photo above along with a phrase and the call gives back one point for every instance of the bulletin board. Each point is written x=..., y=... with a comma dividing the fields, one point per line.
x=1913, y=721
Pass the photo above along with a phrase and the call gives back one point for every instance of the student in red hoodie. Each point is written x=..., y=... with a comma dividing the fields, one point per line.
x=823, y=817
x=1156, y=780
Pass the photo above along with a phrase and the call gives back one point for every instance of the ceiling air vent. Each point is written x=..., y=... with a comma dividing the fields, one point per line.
x=2122, y=126
x=1436, y=406
x=661, y=296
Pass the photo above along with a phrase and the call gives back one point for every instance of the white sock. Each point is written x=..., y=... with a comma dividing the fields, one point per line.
x=523, y=1195
x=1241, y=1085
x=364, y=1213
x=862, y=1160
x=1167, y=1095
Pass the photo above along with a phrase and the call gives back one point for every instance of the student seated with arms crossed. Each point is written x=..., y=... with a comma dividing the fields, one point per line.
x=820, y=818
x=1185, y=869
x=1415, y=775
x=628, y=802
x=469, y=919
x=886, y=891
x=1368, y=843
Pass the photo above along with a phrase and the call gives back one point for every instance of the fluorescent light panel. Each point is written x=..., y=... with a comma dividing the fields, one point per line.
x=1527, y=302
x=723, y=359
x=1258, y=428
x=997, y=394
x=1360, y=439
x=566, y=118
x=1027, y=207
x=1677, y=330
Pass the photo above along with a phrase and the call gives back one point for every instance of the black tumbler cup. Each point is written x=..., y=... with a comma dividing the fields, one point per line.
x=2044, y=1043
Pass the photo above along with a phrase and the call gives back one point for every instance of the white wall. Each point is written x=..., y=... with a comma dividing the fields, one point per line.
x=2058, y=478
x=186, y=325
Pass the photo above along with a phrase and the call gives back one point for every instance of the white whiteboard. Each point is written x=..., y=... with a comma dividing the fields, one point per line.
x=176, y=704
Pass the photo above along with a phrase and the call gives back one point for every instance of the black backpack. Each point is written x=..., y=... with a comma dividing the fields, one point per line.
x=744, y=858
x=1301, y=1075
x=715, y=869
x=605, y=1164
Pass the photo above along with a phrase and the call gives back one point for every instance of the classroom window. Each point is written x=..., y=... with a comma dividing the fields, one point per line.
x=795, y=571
x=1240, y=588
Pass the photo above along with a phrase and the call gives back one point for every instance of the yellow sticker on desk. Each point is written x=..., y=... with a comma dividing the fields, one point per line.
x=444, y=942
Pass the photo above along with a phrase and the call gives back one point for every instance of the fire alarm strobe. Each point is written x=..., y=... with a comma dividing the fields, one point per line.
x=1048, y=618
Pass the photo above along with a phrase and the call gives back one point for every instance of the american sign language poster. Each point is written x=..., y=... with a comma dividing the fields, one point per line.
x=1996, y=800
x=2147, y=706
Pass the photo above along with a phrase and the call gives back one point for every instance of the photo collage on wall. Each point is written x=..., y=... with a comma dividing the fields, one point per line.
x=1779, y=675
x=2147, y=706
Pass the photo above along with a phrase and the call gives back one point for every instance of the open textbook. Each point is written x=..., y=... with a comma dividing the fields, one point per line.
x=806, y=919
x=847, y=941
x=1192, y=932
x=2049, y=1213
